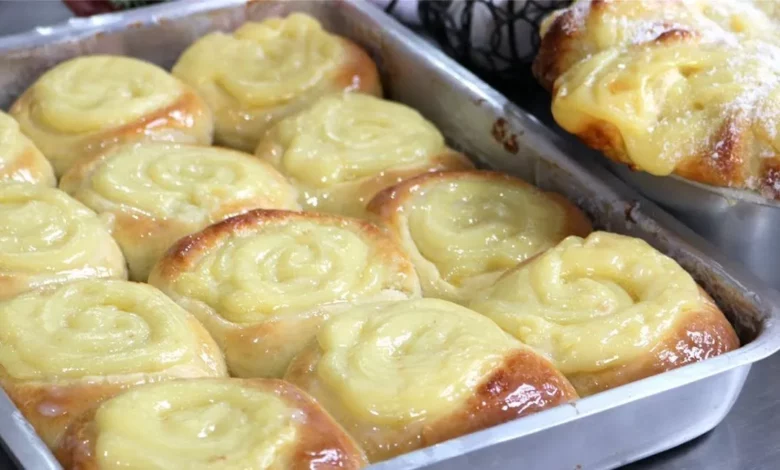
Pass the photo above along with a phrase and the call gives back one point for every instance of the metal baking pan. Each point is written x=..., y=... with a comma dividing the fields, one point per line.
x=602, y=431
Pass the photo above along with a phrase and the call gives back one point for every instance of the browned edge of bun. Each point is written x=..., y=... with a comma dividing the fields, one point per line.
x=696, y=336
x=523, y=384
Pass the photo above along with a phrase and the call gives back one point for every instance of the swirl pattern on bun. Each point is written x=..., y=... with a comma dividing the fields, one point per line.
x=155, y=193
x=265, y=71
x=404, y=375
x=263, y=282
x=463, y=230
x=65, y=348
x=257, y=423
x=347, y=147
x=608, y=310
x=86, y=104
x=47, y=237
x=20, y=159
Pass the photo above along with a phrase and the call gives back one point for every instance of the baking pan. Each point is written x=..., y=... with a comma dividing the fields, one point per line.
x=602, y=431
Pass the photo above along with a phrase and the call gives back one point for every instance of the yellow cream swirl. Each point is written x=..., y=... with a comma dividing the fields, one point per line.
x=401, y=362
x=156, y=193
x=102, y=328
x=672, y=102
x=463, y=230
x=292, y=267
x=592, y=303
x=348, y=137
x=190, y=183
x=251, y=75
x=475, y=226
x=347, y=147
x=46, y=237
x=20, y=160
x=99, y=92
x=193, y=424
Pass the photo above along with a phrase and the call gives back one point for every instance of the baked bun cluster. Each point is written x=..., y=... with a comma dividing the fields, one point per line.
x=263, y=282
x=332, y=287
x=671, y=87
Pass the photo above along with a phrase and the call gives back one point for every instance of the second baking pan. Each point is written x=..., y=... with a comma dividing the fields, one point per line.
x=601, y=431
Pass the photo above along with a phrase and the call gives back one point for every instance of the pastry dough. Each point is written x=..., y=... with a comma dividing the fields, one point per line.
x=404, y=375
x=47, y=237
x=463, y=230
x=65, y=348
x=608, y=310
x=346, y=148
x=86, y=104
x=265, y=71
x=20, y=159
x=264, y=281
x=210, y=423
x=155, y=193
x=690, y=88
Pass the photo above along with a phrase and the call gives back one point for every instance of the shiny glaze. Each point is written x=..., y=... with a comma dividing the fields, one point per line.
x=264, y=71
x=464, y=229
x=262, y=282
x=47, y=237
x=66, y=348
x=84, y=105
x=347, y=147
x=600, y=303
x=199, y=424
x=403, y=375
x=689, y=89
x=155, y=193
x=20, y=159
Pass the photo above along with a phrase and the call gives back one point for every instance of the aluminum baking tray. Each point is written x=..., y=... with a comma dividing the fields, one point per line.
x=602, y=431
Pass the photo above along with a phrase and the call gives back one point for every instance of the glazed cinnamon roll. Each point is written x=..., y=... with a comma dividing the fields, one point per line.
x=263, y=282
x=47, y=237
x=210, y=423
x=404, y=375
x=20, y=159
x=463, y=230
x=265, y=71
x=86, y=104
x=155, y=193
x=608, y=310
x=347, y=147
x=65, y=348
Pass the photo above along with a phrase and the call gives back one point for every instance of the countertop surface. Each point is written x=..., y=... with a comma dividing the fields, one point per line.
x=748, y=438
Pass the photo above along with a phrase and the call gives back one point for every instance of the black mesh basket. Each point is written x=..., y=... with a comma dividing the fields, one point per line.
x=496, y=39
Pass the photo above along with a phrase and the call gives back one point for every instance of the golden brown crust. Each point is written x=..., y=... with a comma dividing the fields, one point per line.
x=31, y=167
x=52, y=408
x=496, y=400
x=524, y=384
x=187, y=120
x=322, y=446
x=359, y=73
x=697, y=336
